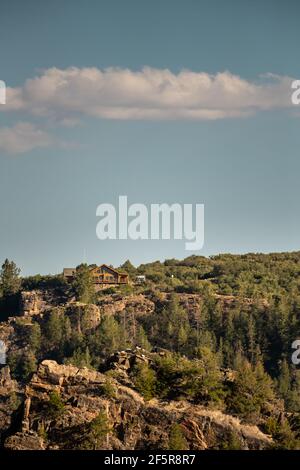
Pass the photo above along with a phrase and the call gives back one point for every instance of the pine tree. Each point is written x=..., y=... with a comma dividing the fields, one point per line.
x=108, y=338
x=55, y=406
x=128, y=268
x=29, y=364
x=293, y=403
x=145, y=380
x=34, y=339
x=10, y=281
x=251, y=335
x=209, y=378
x=97, y=431
x=53, y=329
x=81, y=358
x=252, y=390
x=284, y=380
x=83, y=284
x=141, y=339
x=182, y=337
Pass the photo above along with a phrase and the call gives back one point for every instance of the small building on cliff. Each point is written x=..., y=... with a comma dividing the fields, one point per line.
x=102, y=275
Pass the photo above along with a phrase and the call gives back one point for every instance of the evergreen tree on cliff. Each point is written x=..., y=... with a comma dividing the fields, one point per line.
x=10, y=281
x=83, y=284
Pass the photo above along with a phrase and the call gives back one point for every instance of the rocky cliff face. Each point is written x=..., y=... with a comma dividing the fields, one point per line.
x=84, y=317
x=25, y=418
x=133, y=422
x=115, y=304
x=31, y=303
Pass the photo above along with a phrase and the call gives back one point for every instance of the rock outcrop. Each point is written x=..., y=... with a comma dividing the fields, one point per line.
x=133, y=422
x=31, y=303
x=84, y=317
x=115, y=304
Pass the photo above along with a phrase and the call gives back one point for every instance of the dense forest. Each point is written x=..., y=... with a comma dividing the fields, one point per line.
x=246, y=318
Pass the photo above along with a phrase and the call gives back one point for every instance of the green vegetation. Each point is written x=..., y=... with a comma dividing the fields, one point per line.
x=55, y=406
x=83, y=284
x=107, y=389
x=177, y=441
x=10, y=284
x=230, y=442
x=234, y=313
x=10, y=281
x=80, y=358
x=251, y=392
x=96, y=433
x=145, y=380
x=22, y=364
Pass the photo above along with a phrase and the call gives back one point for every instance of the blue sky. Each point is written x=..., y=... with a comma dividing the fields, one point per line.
x=62, y=156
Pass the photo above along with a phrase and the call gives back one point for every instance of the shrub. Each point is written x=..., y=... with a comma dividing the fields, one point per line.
x=231, y=442
x=177, y=440
x=107, y=389
x=97, y=431
x=144, y=380
x=55, y=406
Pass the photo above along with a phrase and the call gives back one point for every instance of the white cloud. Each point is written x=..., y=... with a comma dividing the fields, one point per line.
x=22, y=138
x=114, y=93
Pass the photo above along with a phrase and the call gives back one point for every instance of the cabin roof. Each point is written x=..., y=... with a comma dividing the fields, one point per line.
x=110, y=268
x=72, y=271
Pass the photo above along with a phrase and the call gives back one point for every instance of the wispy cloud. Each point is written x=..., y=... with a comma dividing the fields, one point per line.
x=22, y=138
x=65, y=97
x=114, y=93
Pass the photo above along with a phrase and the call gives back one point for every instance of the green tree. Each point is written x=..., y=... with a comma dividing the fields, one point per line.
x=252, y=391
x=141, y=339
x=28, y=365
x=209, y=381
x=10, y=281
x=81, y=358
x=34, y=338
x=108, y=338
x=83, y=284
x=144, y=380
x=173, y=326
x=53, y=329
x=97, y=431
x=22, y=364
x=128, y=268
x=293, y=403
x=181, y=378
x=55, y=406
x=284, y=381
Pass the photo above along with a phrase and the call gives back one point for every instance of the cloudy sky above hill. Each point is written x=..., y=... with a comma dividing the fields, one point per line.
x=162, y=101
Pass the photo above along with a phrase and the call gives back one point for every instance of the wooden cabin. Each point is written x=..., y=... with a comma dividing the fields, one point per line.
x=107, y=275
x=102, y=275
